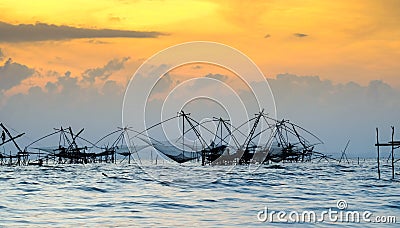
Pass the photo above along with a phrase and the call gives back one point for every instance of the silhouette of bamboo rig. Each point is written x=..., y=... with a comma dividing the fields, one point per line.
x=21, y=157
x=393, y=144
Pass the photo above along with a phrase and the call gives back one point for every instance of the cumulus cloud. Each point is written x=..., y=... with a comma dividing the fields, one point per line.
x=67, y=83
x=338, y=112
x=11, y=74
x=112, y=87
x=300, y=35
x=219, y=77
x=334, y=112
x=103, y=73
x=204, y=82
x=43, y=32
x=170, y=82
x=65, y=103
x=164, y=84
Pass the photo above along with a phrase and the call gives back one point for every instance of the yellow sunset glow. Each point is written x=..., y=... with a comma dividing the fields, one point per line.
x=341, y=40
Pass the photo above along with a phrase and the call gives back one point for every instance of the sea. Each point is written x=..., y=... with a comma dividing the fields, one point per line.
x=321, y=194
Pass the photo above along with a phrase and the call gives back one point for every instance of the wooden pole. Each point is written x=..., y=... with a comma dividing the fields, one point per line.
x=377, y=142
x=183, y=136
x=392, y=152
x=11, y=137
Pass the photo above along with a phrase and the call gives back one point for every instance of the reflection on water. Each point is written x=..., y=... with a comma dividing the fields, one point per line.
x=122, y=195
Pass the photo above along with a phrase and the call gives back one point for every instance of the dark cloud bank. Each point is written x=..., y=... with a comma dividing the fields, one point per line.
x=43, y=32
x=335, y=112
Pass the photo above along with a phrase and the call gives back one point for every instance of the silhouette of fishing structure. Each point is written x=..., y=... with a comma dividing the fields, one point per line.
x=344, y=156
x=393, y=145
x=268, y=140
x=118, y=146
x=74, y=149
x=19, y=157
x=182, y=151
x=68, y=150
x=278, y=141
x=265, y=140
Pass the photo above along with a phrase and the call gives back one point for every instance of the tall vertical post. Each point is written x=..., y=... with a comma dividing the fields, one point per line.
x=203, y=157
x=183, y=136
x=221, y=130
x=392, y=152
x=377, y=146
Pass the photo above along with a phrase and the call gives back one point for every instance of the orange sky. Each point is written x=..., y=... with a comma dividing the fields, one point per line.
x=343, y=40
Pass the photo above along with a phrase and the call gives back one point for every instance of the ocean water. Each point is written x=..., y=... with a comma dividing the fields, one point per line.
x=111, y=195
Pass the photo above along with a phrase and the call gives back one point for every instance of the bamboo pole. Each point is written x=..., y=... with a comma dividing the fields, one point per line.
x=392, y=152
x=377, y=143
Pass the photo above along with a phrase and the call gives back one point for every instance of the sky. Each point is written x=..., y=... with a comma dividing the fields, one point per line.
x=332, y=65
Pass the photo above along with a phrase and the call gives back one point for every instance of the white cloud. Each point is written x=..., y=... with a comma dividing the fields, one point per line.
x=65, y=102
x=338, y=112
x=11, y=74
x=335, y=112
x=103, y=73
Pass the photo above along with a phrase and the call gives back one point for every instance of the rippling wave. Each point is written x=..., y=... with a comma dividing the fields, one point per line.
x=123, y=195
